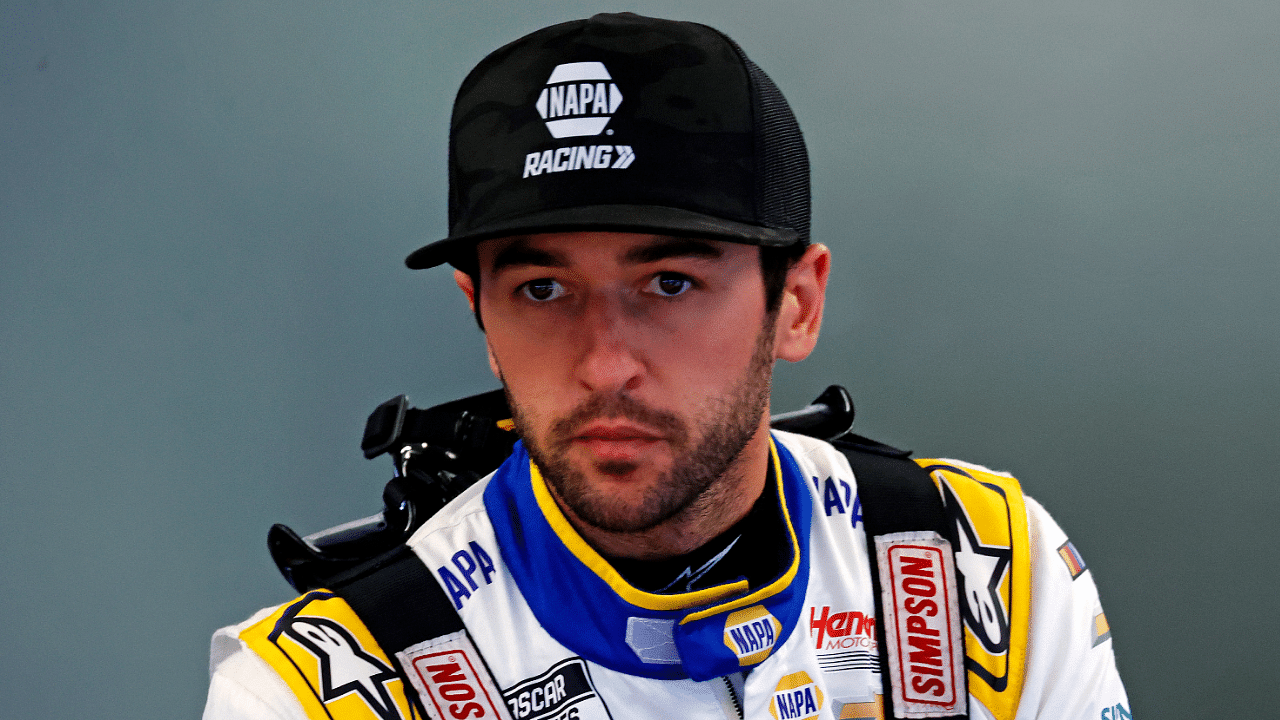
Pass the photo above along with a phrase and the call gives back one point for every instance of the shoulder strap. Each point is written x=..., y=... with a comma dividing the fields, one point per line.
x=413, y=621
x=900, y=502
x=399, y=600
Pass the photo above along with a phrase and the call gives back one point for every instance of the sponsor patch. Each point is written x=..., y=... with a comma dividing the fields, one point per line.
x=1101, y=629
x=1072, y=558
x=844, y=640
x=330, y=662
x=841, y=630
x=579, y=157
x=993, y=575
x=468, y=564
x=798, y=697
x=1116, y=712
x=452, y=679
x=751, y=634
x=868, y=710
x=345, y=666
x=922, y=624
x=578, y=100
x=838, y=498
x=554, y=695
x=984, y=561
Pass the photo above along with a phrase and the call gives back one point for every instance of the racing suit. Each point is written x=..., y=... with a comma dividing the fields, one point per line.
x=561, y=635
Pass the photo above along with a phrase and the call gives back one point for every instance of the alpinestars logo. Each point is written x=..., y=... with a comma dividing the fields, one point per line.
x=576, y=100
x=982, y=570
x=344, y=666
x=685, y=580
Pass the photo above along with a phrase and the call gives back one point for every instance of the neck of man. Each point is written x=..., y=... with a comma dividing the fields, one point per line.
x=725, y=502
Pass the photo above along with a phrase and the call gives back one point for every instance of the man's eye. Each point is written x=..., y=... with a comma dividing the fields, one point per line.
x=669, y=284
x=542, y=289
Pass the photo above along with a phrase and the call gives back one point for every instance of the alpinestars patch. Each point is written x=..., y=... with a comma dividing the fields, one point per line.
x=322, y=651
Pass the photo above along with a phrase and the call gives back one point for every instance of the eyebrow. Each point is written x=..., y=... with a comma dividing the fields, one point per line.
x=521, y=252
x=672, y=247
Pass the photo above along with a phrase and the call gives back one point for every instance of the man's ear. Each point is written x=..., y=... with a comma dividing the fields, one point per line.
x=803, y=297
x=468, y=288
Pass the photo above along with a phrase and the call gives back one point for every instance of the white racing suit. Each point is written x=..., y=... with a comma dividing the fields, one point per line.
x=558, y=635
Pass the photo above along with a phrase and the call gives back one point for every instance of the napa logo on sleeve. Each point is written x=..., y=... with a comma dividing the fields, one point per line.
x=751, y=634
x=798, y=697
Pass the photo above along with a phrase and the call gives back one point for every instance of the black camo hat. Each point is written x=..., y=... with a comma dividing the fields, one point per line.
x=627, y=123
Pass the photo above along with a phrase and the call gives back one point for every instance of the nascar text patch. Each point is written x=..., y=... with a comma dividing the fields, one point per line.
x=557, y=694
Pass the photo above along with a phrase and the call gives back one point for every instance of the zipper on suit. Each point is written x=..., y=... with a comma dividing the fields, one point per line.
x=734, y=701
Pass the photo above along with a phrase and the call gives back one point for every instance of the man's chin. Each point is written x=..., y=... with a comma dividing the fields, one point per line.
x=618, y=513
x=617, y=469
x=613, y=496
x=604, y=465
x=620, y=477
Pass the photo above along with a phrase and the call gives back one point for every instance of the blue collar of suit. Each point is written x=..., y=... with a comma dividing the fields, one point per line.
x=589, y=608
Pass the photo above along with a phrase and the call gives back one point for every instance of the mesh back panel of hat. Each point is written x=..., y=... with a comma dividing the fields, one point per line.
x=782, y=162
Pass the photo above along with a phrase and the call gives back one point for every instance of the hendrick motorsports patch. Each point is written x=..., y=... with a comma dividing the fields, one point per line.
x=922, y=624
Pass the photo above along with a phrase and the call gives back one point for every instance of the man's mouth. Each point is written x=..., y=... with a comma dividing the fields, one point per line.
x=616, y=441
x=614, y=430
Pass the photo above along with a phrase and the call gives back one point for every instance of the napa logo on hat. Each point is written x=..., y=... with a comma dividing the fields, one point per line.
x=578, y=100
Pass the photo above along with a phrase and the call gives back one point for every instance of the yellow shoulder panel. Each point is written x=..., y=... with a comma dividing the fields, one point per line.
x=994, y=563
x=322, y=651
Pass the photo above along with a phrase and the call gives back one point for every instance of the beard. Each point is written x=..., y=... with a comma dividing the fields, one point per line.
x=701, y=455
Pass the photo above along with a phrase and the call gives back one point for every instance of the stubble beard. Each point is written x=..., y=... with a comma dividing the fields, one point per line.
x=692, y=484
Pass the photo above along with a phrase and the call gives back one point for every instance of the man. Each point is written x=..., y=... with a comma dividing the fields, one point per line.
x=629, y=215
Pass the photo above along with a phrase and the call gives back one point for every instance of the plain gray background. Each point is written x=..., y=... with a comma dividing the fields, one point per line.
x=1055, y=235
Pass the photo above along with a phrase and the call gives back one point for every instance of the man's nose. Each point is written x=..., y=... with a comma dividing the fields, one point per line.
x=612, y=360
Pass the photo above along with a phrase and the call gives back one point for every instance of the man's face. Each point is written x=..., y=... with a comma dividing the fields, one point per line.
x=637, y=366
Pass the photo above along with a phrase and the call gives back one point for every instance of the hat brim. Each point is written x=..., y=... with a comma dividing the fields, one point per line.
x=616, y=218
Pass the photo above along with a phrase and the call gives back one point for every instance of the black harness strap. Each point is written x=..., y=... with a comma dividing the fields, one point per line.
x=897, y=496
x=400, y=603
x=398, y=599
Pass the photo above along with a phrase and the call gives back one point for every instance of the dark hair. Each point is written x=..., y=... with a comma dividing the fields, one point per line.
x=774, y=264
